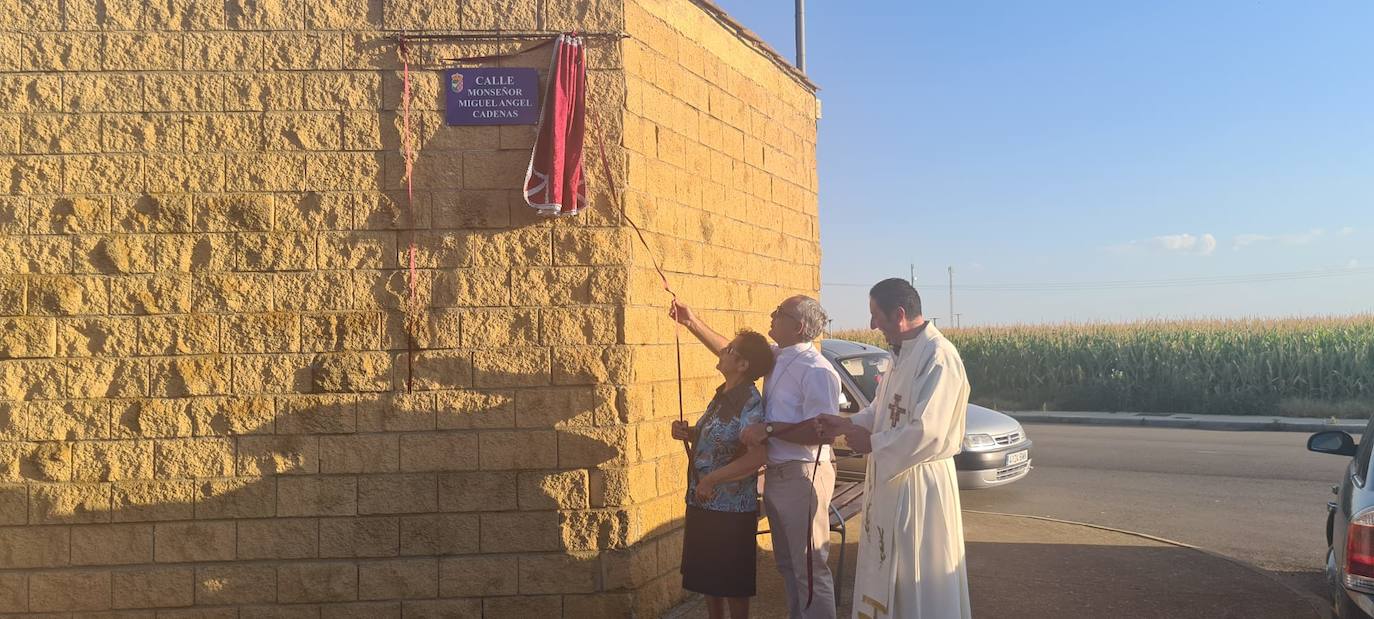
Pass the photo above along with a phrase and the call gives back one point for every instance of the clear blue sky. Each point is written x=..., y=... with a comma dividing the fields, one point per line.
x=1088, y=141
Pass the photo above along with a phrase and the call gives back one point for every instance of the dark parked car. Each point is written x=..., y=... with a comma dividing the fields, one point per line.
x=1350, y=525
x=996, y=450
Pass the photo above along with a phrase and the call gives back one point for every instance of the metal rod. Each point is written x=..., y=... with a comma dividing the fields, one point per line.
x=801, y=35
x=951, y=297
x=493, y=35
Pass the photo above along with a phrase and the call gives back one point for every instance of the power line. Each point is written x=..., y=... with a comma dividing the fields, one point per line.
x=1221, y=280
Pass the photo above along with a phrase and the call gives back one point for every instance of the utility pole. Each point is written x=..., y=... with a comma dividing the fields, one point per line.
x=951, y=296
x=913, y=275
x=801, y=35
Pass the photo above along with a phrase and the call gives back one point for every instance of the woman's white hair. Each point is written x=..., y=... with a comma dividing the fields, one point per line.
x=812, y=316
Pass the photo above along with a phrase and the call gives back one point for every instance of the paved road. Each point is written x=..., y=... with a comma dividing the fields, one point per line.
x=1256, y=496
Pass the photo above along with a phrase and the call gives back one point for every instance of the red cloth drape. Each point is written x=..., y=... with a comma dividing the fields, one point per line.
x=555, y=183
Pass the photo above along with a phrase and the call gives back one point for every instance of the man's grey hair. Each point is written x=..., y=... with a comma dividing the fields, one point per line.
x=812, y=316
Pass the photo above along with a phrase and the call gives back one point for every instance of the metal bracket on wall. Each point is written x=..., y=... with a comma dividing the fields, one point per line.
x=545, y=38
x=499, y=35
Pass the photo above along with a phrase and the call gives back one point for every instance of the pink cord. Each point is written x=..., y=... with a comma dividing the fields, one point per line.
x=408, y=154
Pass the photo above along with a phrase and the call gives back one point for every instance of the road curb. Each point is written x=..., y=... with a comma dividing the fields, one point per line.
x=1193, y=423
x=1319, y=606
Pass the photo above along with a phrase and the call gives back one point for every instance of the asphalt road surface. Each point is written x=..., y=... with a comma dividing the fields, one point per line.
x=1256, y=496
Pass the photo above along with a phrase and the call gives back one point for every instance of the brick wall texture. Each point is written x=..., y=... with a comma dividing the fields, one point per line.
x=207, y=330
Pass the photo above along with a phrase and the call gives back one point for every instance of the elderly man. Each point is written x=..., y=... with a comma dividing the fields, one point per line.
x=911, y=552
x=801, y=476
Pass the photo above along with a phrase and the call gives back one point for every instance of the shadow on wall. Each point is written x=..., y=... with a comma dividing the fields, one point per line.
x=375, y=496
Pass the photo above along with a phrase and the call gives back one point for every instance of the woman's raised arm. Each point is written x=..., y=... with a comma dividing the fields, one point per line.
x=703, y=332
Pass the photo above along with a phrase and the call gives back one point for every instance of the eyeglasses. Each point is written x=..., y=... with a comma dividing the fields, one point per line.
x=782, y=312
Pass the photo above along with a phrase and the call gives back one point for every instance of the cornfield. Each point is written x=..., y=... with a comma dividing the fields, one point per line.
x=1304, y=366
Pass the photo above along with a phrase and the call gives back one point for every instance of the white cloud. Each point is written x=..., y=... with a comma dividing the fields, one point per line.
x=1347, y=231
x=1185, y=243
x=1242, y=240
x=1352, y=264
x=1207, y=244
x=1297, y=238
x=1176, y=242
x=1304, y=238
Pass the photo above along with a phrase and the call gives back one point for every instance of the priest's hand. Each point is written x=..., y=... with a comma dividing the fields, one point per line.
x=859, y=439
x=753, y=434
x=681, y=432
x=681, y=313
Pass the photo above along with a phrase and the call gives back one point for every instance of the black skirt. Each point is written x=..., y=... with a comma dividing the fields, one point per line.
x=718, y=552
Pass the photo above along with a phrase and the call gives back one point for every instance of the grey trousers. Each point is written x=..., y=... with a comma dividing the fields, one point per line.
x=795, y=501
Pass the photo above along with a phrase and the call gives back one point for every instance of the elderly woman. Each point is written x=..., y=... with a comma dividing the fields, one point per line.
x=718, y=548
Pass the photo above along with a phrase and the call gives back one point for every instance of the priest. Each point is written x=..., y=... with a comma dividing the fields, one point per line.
x=911, y=551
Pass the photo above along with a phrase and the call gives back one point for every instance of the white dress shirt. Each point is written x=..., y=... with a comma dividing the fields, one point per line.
x=802, y=385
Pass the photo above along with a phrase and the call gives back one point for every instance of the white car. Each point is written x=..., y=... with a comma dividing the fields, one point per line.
x=996, y=451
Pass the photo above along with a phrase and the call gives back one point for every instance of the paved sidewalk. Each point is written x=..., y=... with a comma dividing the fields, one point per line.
x=1032, y=568
x=1199, y=422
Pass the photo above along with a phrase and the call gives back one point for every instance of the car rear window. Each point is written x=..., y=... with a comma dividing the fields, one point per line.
x=867, y=370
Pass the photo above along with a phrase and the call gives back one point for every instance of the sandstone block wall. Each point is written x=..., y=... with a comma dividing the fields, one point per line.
x=207, y=327
x=720, y=140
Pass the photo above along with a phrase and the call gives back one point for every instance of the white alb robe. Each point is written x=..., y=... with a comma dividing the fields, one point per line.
x=911, y=552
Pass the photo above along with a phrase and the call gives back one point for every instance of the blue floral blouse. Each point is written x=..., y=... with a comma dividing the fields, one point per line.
x=717, y=444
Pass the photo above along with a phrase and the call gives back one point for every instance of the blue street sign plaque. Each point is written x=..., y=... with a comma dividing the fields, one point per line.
x=491, y=96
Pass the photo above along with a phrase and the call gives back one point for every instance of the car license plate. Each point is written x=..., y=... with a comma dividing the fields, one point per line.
x=1018, y=457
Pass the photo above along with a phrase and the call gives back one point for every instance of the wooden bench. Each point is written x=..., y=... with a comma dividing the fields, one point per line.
x=846, y=503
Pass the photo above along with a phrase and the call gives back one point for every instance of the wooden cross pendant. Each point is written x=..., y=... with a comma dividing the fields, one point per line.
x=896, y=409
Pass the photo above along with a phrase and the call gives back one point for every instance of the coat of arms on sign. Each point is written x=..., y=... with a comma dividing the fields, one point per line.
x=455, y=83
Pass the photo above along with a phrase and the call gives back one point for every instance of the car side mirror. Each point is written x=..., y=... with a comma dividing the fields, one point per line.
x=1332, y=442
